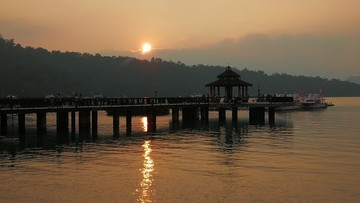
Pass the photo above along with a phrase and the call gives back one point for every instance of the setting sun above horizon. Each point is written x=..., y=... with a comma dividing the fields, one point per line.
x=146, y=47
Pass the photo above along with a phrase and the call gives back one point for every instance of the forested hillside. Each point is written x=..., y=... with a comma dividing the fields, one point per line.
x=27, y=71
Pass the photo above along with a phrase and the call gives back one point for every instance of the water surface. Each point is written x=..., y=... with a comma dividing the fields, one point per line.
x=308, y=156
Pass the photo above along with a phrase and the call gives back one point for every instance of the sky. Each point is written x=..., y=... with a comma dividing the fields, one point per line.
x=308, y=37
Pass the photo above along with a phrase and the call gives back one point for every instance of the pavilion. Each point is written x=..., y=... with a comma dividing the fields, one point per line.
x=229, y=79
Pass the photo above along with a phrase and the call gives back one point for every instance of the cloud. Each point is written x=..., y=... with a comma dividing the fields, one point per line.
x=332, y=56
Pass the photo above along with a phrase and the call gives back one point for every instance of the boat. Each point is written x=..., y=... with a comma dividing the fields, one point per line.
x=313, y=101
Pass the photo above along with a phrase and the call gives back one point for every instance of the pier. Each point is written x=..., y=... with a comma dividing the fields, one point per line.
x=191, y=108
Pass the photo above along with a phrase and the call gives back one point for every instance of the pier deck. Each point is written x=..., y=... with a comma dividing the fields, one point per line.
x=89, y=107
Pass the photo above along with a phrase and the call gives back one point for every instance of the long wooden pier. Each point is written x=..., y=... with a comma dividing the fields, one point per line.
x=192, y=109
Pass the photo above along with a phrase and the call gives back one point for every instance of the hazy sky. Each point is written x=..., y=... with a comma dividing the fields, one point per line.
x=308, y=37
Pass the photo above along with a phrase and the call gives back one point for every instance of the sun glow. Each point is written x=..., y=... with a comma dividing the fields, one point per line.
x=146, y=47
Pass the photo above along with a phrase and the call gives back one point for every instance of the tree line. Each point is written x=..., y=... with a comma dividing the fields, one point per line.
x=29, y=71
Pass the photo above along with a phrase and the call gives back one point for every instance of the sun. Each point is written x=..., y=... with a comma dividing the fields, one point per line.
x=146, y=47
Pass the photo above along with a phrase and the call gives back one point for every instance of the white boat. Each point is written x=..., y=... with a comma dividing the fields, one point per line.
x=313, y=101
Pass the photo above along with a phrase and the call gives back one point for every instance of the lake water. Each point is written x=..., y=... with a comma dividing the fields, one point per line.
x=308, y=156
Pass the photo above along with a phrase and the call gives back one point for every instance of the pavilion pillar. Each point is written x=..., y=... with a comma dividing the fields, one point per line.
x=116, y=123
x=242, y=92
x=246, y=91
x=226, y=93
x=230, y=93
x=3, y=124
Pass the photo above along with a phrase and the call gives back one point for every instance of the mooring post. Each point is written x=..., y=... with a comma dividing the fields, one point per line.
x=128, y=121
x=116, y=125
x=94, y=123
x=3, y=124
x=21, y=123
x=41, y=122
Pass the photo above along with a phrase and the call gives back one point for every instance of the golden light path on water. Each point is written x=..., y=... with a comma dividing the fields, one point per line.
x=147, y=181
x=144, y=124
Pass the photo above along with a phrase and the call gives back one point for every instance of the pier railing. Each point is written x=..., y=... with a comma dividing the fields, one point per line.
x=78, y=102
x=15, y=103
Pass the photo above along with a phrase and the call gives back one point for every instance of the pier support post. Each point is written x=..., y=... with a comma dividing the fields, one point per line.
x=84, y=122
x=41, y=122
x=94, y=124
x=204, y=113
x=128, y=121
x=21, y=123
x=190, y=114
x=3, y=124
x=151, y=118
x=116, y=124
x=222, y=115
x=271, y=114
x=175, y=114
x=234, y=114
x=62, y=121
x=257, y=115
x=73, y=125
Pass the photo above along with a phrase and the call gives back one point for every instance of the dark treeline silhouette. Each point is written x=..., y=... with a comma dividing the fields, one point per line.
x=28, y=71
x=354, y=79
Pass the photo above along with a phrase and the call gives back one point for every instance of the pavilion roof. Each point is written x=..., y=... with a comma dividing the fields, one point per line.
x=228, y=73
x=232, y=82
x=228, y=78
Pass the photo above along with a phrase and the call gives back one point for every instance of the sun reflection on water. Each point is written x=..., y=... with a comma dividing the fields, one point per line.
x=144, y=122
x=148, y=167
